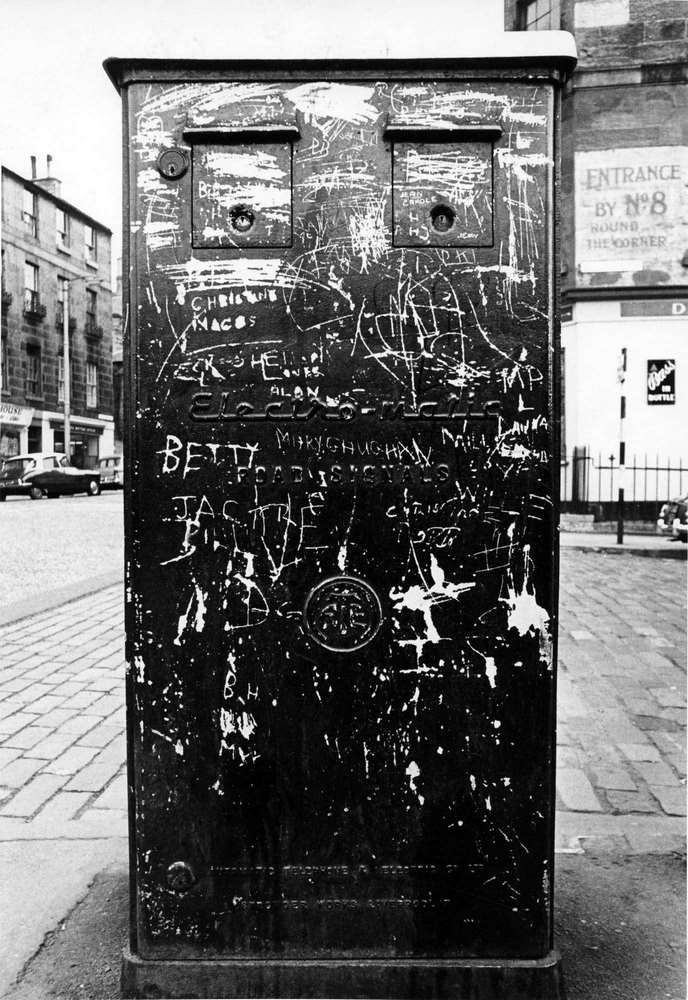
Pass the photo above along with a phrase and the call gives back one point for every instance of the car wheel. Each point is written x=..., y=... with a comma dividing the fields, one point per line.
x=93, y=488
x=36, y=493
x=3, y=496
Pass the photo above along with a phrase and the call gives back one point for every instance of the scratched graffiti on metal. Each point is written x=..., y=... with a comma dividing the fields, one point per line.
x=343, y=346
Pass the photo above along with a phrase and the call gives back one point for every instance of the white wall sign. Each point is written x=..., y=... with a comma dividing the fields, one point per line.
x=632, y=212
x=18, y=415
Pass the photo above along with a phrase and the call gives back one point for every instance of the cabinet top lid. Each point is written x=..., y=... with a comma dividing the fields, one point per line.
x=400, y=48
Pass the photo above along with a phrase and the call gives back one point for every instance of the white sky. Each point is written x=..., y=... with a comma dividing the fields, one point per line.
x=55, y=97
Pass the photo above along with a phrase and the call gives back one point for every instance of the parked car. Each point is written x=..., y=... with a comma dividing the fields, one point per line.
x=679, y=527
x=673, y=518
x=42, y=474
x=111, y=472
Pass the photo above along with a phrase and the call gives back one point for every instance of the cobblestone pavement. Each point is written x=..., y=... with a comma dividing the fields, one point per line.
x=621, y=760
x=622, y=701
x=62, y=744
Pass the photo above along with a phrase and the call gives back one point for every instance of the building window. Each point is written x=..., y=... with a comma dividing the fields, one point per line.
x=61, y=296
x=62, y=227
x=91, y=385
x=31, y=300
x=91, y=310
x=30, y=211
x=539, y=15
x=4, y=374
x=90, y=244
x=33, y=370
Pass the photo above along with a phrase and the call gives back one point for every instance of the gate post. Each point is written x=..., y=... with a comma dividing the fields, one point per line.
x=579, y=480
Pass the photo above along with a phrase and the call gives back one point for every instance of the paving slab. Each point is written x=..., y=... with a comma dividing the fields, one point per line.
x=672, y=800
x=42, y=882
x=576, y=791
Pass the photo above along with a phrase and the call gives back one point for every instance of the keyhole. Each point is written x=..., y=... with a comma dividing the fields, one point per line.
x=442, y=218
x=172, y=163
x=241, y=218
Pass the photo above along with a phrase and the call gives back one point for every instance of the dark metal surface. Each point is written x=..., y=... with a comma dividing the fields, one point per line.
x=340, y=542
x=365, y=979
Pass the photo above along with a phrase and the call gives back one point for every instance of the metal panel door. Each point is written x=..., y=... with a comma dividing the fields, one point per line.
x=340, y=527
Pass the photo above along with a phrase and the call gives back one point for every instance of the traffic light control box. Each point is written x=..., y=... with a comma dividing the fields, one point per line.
x=341, y=515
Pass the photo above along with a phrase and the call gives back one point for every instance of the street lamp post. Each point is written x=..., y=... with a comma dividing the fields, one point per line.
x=621, y=374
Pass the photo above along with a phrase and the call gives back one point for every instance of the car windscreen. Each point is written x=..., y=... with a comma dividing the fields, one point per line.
x=15, y=468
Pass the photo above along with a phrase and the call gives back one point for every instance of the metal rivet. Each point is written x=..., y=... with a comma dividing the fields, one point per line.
x=180, y=876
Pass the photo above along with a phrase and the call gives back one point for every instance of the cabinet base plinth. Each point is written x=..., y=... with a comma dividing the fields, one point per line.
x=392, y=979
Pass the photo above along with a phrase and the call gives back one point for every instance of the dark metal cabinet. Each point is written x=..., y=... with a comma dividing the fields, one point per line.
x=341, y=517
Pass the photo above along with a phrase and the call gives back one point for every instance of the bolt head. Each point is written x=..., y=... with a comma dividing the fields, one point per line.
x=180, y=876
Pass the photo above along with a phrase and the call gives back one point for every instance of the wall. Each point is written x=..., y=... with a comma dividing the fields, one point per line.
x=624, y=33
x=627, y=167
x=627, y=107
x=593, y=345
x=624, y=220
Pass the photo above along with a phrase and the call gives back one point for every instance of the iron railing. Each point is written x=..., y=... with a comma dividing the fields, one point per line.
x=588, y=479
x=33, y=308
x=91, y=329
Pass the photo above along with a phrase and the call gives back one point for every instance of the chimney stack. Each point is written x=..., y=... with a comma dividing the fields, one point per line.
x=48, y=183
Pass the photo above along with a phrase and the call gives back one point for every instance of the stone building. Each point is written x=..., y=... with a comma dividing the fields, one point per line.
x=624, y=218
x=48, y=247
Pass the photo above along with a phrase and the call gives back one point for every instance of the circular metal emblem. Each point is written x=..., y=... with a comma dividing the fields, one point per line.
x=342, y=613
x=172, y=163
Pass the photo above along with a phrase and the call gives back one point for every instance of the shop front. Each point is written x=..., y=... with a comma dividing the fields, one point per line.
x=15, y=422
x=90, y=440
